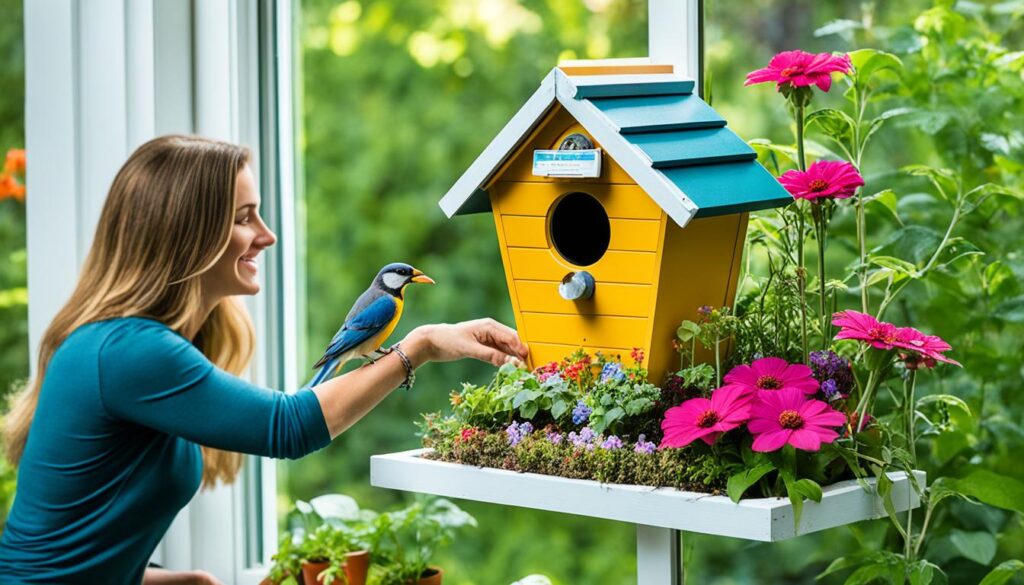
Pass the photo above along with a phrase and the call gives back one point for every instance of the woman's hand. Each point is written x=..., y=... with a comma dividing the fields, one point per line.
x=482, y=339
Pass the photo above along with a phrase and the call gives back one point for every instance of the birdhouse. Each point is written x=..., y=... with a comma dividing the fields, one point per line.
x=621, y=202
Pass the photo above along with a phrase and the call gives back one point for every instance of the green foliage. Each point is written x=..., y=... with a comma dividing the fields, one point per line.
x=405, y=541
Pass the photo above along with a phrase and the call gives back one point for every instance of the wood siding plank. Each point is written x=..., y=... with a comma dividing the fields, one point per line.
x=623, y=300
x=593, y=330
x=619, y=201
x=614, y=266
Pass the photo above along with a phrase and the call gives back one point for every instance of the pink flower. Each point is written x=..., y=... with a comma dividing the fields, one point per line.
x=825, y=179
x=800, y=69
x=928, y=349
x=772, y=373
x=704, y=419
x=788, y=417
x=864, y=327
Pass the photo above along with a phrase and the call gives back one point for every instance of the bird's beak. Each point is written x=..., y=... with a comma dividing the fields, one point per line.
x=418, y=276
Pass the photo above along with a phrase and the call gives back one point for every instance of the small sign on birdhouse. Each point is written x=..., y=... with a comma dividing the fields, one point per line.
x=567, y=163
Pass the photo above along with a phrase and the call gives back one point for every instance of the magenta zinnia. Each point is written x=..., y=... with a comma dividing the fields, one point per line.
x=882, y=335
x=772, y=373
x=864, y=327
x=928, y=349
x=790, y=418
x=825, y=179
x=706, y=419
x=800, y=69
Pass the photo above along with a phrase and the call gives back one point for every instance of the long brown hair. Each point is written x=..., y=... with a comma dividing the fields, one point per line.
x=166, y=220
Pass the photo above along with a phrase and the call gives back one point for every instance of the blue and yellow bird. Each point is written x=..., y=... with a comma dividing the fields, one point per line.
x=370, y=321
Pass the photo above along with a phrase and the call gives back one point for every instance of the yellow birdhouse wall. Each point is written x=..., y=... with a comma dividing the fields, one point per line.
x=653, y=274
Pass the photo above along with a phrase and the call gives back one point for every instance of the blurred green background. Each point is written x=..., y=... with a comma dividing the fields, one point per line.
x=397, y=98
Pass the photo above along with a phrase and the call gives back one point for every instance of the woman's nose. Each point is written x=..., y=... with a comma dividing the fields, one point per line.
x=266, y=237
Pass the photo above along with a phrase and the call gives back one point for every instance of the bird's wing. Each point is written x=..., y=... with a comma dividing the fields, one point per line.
x=360, y=327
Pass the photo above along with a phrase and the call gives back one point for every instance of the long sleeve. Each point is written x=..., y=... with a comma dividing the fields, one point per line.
x=152, y=376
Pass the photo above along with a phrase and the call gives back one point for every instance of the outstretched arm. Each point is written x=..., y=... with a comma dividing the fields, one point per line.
x=349, y=397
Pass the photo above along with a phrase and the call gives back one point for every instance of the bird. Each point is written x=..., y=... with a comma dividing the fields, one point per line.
x=370, y=321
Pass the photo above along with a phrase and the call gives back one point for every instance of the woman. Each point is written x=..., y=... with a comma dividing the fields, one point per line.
x=134, y=374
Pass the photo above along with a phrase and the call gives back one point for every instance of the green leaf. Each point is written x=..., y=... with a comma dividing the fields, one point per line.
x=886, y=200
x=991, y=488
x=740, y=482
x=1003, y=573
x=529, y=410
x=913, y=243
x=979, y=547
x=835, y=124
x=840, y=564
x=894, y=264
x=843, y=27
x=798, y=491
x=876, y=123
x=947, y=399
x=614, y=415
x=1010, y=310
x=524, y=396
x=924, y=572
x=885, y=492
x=638, y=406
x=930, y=121
x=559, y=408
x=687, y=331
x=867, y=62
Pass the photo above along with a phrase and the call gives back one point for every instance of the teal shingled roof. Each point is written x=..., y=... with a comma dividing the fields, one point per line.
x=674, y=145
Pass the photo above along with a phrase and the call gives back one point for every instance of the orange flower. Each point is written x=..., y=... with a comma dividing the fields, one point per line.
x=9, y=187
x=15, y=163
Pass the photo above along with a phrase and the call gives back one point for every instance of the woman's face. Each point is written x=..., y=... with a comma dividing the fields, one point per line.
x=236, y=273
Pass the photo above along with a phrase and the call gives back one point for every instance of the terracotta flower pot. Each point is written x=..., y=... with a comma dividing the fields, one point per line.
x=357, y=565
x=432, y=576
x=311, y=570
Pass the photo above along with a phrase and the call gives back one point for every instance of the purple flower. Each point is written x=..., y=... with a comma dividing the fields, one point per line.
x=612, y=443
x=585, y=438
x=830, y=389
x=581, y=413
x=514, y=436
x=516, y=432
x=643, y=445
x=555, y=438
x=612, y=372
x=826, y=366
x=704, y=309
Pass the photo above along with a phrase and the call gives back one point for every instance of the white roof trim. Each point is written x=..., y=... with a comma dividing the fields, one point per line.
x=503, y=145
x=557, y=86
x=671, y=199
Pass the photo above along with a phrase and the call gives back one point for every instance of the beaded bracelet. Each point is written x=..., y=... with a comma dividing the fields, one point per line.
x=410, y=373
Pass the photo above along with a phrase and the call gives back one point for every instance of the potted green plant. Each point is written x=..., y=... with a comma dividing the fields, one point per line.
x=326, y=543
x=405, y=541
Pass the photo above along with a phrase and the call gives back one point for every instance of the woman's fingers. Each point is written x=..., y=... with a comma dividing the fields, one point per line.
x=503, y=337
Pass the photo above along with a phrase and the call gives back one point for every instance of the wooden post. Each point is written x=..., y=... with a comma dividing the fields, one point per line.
x=657, y=556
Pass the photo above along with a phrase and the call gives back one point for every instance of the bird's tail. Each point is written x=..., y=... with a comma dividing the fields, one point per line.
x=326, y=371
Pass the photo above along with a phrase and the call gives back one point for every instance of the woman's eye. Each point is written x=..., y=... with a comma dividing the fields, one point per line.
x=242, y=220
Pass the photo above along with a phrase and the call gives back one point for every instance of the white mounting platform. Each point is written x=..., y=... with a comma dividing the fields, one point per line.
x=764, y=519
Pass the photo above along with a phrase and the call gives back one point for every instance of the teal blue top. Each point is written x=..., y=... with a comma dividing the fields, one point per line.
x=113, y=451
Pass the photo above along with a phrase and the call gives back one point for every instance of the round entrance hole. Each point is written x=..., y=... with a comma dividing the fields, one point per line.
x=580, y=230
